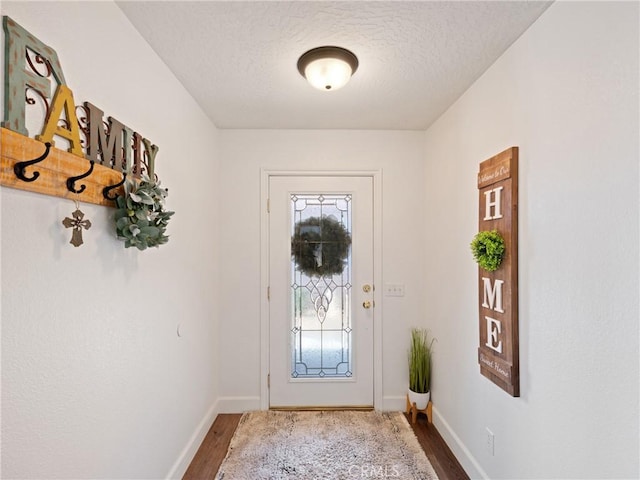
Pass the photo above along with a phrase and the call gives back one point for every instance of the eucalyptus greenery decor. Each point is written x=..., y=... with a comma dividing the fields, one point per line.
x=488, y=249
x=141, y=220
x=320, y=246
x=420, y=360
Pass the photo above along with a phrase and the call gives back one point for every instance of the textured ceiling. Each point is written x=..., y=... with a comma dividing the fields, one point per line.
x=238, y=59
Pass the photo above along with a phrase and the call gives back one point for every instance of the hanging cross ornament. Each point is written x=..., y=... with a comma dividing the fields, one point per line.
x=77, y=223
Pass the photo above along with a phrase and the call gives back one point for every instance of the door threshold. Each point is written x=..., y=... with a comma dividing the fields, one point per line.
x=363, y=408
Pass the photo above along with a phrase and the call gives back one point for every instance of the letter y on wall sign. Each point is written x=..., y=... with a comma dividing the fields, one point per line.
x=498, y=352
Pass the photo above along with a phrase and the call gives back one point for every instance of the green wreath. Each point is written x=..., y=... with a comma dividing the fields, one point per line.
x=488, y=249
x=141, y=220
x=320, y=246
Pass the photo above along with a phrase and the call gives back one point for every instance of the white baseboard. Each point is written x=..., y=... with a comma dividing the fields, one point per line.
x=189, y=451
x=459, y=449
x=238, y=404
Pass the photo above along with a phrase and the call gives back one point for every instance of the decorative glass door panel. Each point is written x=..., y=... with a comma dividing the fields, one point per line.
x=320, y=315
x=321, y=286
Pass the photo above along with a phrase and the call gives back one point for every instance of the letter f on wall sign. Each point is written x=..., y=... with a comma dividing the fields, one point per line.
x=18, y=76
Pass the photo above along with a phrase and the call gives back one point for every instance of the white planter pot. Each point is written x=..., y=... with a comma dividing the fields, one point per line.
x=420, y=399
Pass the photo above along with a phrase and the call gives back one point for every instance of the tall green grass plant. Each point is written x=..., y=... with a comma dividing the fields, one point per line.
x=420, y=360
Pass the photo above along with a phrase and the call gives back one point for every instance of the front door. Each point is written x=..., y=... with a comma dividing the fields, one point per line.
x=321, y=291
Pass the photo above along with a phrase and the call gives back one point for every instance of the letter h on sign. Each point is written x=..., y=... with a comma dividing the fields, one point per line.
x=494, y=204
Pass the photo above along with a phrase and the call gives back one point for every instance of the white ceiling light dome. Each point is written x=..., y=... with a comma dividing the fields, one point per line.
x=328, y=68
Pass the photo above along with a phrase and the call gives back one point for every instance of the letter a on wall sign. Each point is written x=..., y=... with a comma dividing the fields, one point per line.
x=498, y=353
x=62, y=103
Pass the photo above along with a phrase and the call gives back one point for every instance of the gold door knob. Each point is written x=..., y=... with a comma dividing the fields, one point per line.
x=366, y=304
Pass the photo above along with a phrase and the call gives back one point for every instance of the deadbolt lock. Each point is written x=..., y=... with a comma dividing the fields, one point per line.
x=366, y=288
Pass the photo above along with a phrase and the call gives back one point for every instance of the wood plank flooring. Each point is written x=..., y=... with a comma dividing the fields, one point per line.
x=214, y=448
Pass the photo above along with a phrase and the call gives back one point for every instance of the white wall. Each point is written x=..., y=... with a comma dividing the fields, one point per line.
x=95, y=381
x=567, y=94
x=400, y=157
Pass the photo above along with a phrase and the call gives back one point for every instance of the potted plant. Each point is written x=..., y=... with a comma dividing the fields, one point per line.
x=420, y=368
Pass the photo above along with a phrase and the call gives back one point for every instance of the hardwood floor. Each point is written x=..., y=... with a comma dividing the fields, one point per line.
x=444, y=462
x=214, y=448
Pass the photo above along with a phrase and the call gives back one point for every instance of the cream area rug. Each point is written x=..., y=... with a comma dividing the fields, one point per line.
x=332, y=445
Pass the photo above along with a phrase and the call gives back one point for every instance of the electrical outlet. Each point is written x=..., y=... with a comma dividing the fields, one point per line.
x=394, y=290
x=490, y=438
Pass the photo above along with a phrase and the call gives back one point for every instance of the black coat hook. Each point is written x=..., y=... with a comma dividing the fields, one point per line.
x=19, y=167
x=71, y=181
x=106, y=190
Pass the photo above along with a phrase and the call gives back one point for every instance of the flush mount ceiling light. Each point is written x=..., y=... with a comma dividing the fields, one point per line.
x=327, y=68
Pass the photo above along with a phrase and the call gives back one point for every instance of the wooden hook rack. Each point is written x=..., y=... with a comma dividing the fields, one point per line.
x=31, y=165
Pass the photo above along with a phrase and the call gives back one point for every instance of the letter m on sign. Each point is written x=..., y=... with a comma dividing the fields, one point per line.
x=492, y=297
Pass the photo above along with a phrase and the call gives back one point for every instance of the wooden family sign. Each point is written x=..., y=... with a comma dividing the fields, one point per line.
x=498, y=290
x=100, y=152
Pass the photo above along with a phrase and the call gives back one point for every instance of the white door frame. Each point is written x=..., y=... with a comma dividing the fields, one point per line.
x=376, y=176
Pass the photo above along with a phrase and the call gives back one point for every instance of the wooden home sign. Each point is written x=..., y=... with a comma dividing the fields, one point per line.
x=100, y=152
x=498, y=290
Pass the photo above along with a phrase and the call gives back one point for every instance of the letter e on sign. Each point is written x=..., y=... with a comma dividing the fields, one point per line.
x=494, y=328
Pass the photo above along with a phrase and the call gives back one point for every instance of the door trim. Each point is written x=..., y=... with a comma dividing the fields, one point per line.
x=376, y=175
